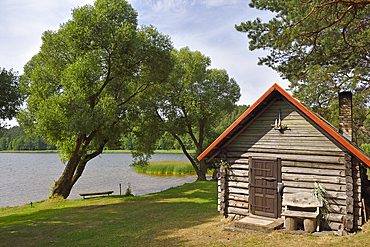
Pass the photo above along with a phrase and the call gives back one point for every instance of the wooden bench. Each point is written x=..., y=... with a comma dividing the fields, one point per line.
x=96, y=193
x=302, y=203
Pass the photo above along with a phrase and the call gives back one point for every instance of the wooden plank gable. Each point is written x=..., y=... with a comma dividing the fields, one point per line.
x=300, y=134
x=308, y=126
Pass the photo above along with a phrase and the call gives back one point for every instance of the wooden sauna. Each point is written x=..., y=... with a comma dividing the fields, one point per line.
x=279, y=147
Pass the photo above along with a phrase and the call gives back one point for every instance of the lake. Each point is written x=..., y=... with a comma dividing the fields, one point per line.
x=26, y=177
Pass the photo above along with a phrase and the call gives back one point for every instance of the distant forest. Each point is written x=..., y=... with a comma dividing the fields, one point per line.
x=15, y=139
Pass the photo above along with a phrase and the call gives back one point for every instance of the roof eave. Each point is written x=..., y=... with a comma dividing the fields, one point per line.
x=236, y=123
x=303, y=109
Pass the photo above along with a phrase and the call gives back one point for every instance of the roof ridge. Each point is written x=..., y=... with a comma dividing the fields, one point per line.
x=316, y=118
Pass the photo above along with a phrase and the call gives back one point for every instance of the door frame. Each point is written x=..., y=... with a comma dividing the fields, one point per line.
x=278, y=175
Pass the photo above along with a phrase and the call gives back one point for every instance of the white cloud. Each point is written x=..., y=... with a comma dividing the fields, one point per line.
x=208, y=27
x=22, y=24
x=168, y=5
x=204, y=25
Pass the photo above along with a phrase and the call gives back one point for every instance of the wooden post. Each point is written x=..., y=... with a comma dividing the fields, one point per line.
x=223, y=189
x=364, y=208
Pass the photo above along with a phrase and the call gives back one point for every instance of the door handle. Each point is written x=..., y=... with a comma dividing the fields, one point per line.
x=269, y=179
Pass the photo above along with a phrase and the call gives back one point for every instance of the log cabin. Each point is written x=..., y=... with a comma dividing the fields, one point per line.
x=278, y=148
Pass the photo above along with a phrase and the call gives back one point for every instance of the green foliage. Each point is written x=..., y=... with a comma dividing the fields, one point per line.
x=83, y=85
x=323, y=196
x=10, y=97
x=11, y=138
x=166, y=168
x=51, y=187
x=366, y=147
x=229, y=118
x=329, y=34
x=86, y=73
x=129, y=142
x=321, y=47
x=4, y=143
x=322, y=98
x=15, y=139
x=128, y=190
x=225, y=165
x=188, y=106
x=166, y=142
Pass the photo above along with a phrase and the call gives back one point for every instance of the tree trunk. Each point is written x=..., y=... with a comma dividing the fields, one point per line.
x=71, y=174
x=199, y=146
x=214, y=175
x=201, y=176
x=63, y=186
x=202, y=164
x=202, y=167
x=75, y=167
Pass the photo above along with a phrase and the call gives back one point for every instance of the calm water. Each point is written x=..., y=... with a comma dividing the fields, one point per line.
x=26, y=177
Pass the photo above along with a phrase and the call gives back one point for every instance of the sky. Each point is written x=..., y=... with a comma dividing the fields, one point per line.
x=204, y=25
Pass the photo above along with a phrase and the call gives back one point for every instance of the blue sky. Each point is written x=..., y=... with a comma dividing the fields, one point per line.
x=204, y=25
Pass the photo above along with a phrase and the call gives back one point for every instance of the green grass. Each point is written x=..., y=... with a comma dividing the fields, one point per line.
x=109, y=221
x=181, y=216
x=167, y=168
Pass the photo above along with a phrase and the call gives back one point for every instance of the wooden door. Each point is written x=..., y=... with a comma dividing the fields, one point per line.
x=264, y=175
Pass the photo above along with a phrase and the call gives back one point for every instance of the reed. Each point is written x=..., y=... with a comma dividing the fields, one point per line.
x=167, y=168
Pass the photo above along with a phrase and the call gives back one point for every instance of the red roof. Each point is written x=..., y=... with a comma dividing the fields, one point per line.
x=360, y=154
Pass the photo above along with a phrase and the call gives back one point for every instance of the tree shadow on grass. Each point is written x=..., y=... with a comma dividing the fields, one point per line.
x=116, y=221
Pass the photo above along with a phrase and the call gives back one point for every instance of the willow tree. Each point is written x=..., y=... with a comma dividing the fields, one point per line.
x=321, y=46
x=190, y=104
x=82, y=85
x=10, y=97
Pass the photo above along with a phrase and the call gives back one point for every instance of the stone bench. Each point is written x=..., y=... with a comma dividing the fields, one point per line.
x=302, y=203
x=96, y=193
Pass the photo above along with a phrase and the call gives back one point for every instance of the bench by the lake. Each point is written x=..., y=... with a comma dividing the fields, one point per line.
x=96, y=193
x=305, y=206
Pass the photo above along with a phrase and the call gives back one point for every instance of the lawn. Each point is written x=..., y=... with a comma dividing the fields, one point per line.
x=181, y=216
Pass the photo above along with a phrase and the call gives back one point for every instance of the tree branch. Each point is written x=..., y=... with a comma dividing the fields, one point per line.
x=334, y=84
x=190, y=131
x=345, y=27
x=141, y=89
x=88, y=139
x=94, y=97
x=97, y=152
x=331, y=24
x=187, y=154
x=201, y=136
x=361, y=128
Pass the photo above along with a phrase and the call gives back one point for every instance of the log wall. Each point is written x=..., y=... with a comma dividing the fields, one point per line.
x=307, y=155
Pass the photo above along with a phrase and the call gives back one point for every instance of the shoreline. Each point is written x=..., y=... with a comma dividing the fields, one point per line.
x=27, y=176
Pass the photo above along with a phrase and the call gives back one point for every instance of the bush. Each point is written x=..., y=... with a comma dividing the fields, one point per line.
x=366, y=147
